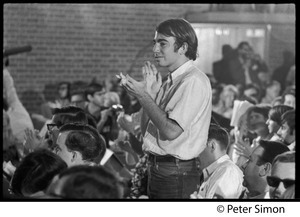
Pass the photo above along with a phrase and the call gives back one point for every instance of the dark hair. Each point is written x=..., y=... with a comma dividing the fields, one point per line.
x=276, y=112
x=90, y=182
x=36, y=172
x=271, y=150
x=67, y=109
x=220, y=134
x=68, y=118
x=261, y=109
x=183, y=32
x=84, y=139
x=286, y=157
x=289, y=118
x=92, y=88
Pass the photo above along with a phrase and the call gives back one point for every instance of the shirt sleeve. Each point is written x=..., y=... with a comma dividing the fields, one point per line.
x=191, y=97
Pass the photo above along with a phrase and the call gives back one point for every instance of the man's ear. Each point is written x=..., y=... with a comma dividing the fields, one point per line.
x=212, y=145
x=183, y=49
x=265, y=169
x=74, y=156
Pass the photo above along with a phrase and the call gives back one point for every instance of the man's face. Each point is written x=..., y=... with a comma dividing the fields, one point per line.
x=78, y=101
x=251, y=169
x=255, y=119
x=164, y=54
x=99, y=98
x=285, y=133
x=281, y=170
x=245, y=51
x=61, y=149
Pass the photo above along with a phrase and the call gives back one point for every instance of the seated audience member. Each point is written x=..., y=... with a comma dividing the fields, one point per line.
x=49, y=132
x=78, y=98
x=79, y=144
x=258, y=167
x=272, y=91
x=257, y=118
x=252, y=93
x=85, y=182
x=256, y=121
x=35, y=172
x=274, y=120
x=221, y=177
x=106, y=124
x=287, y=130
x=110, y=129
x=225, y=105
x=18, y=115
x=282, y=174
x=289, y=97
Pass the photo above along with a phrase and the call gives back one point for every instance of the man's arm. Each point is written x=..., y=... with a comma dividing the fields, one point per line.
x=168, y=128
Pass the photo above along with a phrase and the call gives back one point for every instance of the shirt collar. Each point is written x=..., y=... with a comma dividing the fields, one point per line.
x=179, y=71
x=212, y=167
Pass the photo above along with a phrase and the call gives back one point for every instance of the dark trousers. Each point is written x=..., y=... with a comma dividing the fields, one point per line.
x=172, y=178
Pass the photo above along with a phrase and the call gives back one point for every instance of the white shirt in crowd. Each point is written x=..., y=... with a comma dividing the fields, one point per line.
x=188, y=102
x=222, y=179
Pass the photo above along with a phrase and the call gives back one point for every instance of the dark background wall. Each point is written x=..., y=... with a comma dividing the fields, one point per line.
x=81, y=41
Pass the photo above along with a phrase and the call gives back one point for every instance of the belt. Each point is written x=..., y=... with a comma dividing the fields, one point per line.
x=166, y=158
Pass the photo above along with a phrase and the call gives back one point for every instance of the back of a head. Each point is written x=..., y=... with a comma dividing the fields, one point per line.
x=220, y=134
x=271, y=150
x=84, y=139
x=67, y=109
x=286, y=157
x=69, y=118
x=289, y=118
x=277, y=111
x=90, y=182
x=36, y=171
x=93, y=88
x=226, y=50
x=262, y=109
x=183, y=32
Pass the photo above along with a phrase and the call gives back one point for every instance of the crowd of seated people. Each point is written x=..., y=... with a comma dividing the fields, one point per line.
x=90, y=144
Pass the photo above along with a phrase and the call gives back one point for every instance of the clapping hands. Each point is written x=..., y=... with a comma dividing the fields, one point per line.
x=151, y=83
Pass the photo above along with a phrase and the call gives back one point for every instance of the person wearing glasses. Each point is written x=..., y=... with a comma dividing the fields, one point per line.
x=258, y=167
x=282, y=175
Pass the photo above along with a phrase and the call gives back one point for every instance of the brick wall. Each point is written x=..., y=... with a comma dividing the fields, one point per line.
x=78, y=42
